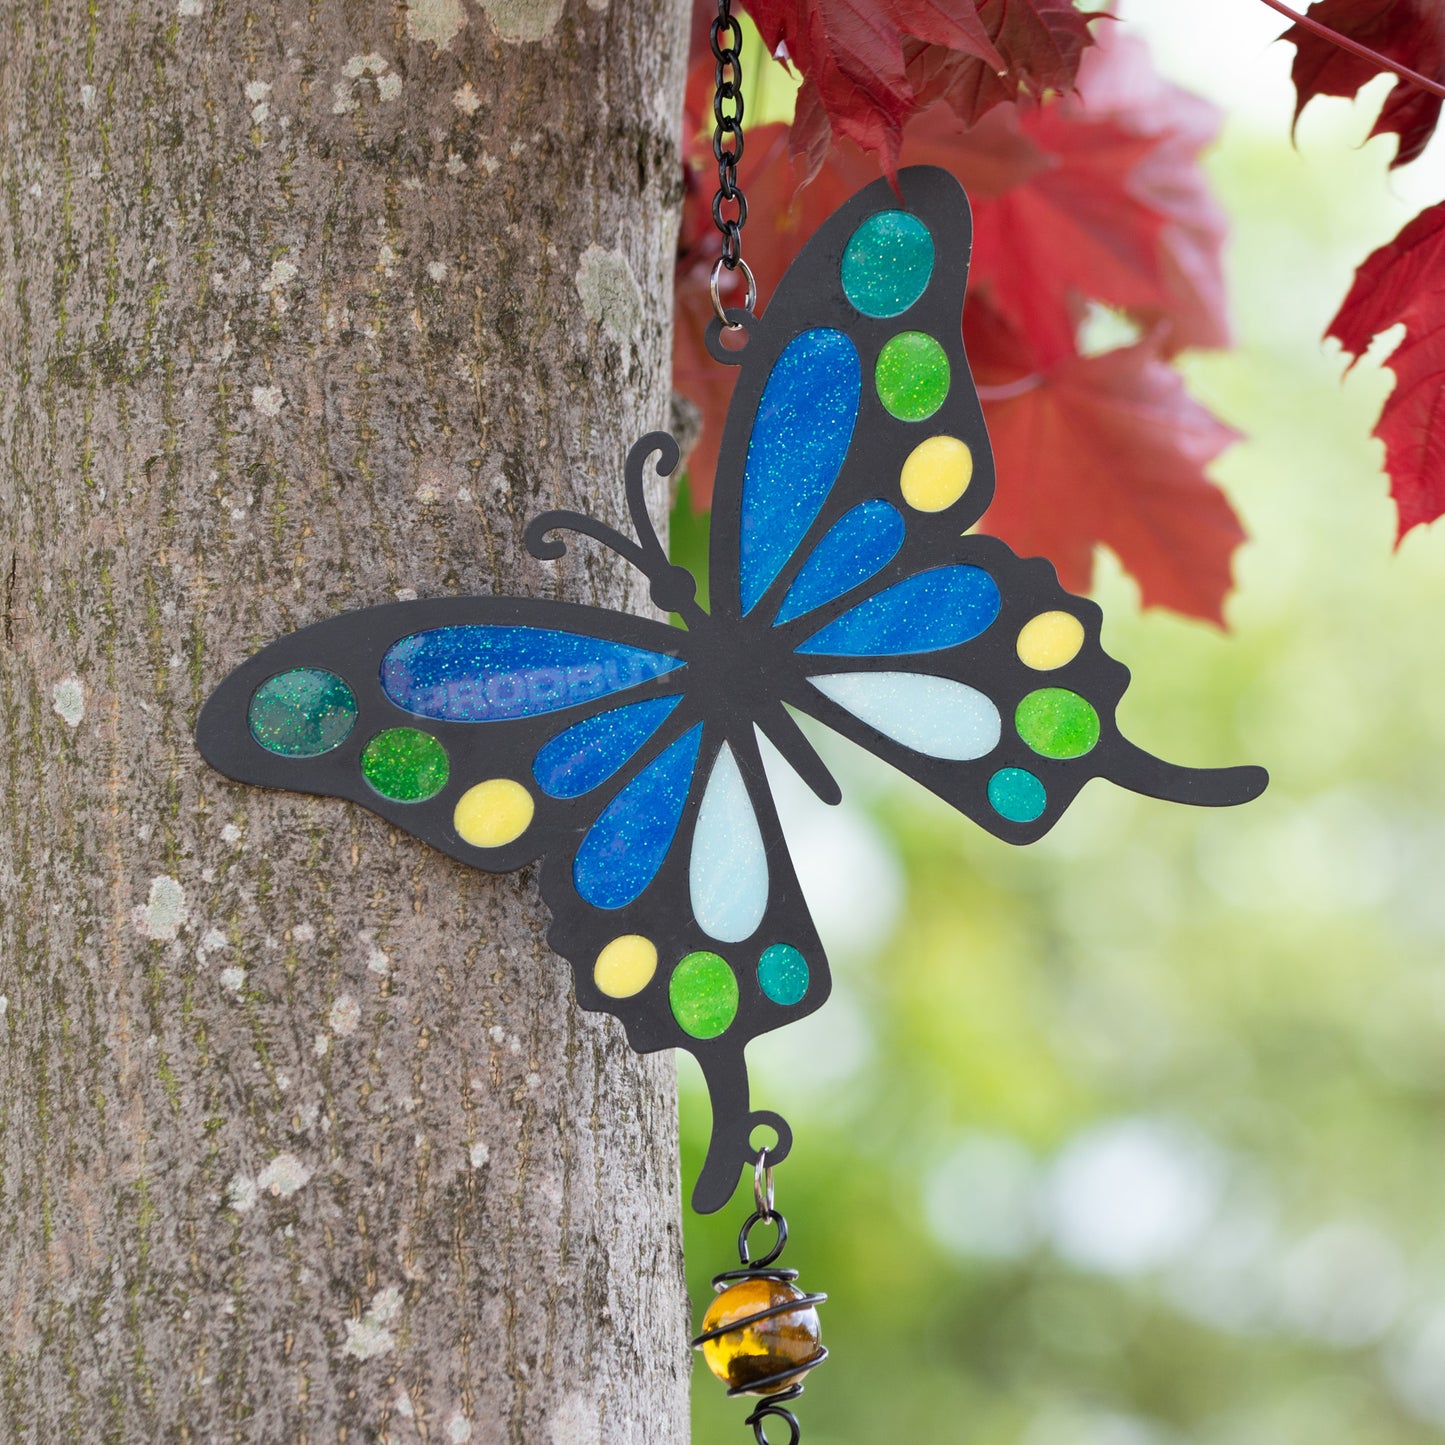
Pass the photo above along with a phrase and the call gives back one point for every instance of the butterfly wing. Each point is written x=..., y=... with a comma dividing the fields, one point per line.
x=973, y=671
x=718, y=947
x=431, y=713
x=809, y=436
x=501, y=730
x=854, y=460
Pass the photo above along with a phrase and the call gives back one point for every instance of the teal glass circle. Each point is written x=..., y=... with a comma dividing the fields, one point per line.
x=1017, y=795
x=783, y=974
x=302, y=713
x=887, y=264
x=912, y=375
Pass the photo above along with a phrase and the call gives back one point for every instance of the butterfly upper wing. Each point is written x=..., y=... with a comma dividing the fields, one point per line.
x=808, y=436
x=473, y=685
x=854, y=459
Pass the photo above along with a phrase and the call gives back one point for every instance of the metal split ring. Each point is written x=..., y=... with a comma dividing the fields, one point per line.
x=763, y=1183
x=749, y=302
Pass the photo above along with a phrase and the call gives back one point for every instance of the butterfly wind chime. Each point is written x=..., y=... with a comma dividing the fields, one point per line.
x=625, y=753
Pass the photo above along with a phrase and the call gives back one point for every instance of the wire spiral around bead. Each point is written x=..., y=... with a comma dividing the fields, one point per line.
x=787, y=1384
x=774, y=1406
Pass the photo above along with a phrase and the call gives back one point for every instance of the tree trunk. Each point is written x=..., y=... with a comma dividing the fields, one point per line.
x=308, y=306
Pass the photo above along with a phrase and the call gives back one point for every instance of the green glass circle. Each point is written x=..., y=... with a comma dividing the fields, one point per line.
x=783, y=974
x=1017, y=795
x=887, y=263
x=703, y=992
x=302, y=713
x=912, y=375
x=406, y=765
x=1057, y=723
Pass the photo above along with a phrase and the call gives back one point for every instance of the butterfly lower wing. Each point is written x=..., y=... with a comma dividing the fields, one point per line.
x=973, y=671
x=717, y=948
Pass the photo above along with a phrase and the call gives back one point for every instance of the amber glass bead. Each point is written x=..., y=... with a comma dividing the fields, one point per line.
x=788, y=1341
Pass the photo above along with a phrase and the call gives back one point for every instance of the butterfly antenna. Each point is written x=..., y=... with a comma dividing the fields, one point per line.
x=674, y=589
x=548, y=548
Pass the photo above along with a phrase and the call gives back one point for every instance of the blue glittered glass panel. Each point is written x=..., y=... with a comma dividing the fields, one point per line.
x=933, y=610
x=625, y=847
x=804, y=424
x=489, y=674
x=728, y=869
x=932, y=715
x=857, y=545
x=576, y=760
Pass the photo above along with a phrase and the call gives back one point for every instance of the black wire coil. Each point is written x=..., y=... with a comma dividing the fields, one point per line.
x=786, y=1385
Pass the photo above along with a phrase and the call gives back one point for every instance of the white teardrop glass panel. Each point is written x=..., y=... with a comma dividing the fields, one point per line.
x=728, y=871
x=932, y=715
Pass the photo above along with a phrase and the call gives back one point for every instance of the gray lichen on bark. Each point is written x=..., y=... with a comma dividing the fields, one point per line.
x=301, y=1138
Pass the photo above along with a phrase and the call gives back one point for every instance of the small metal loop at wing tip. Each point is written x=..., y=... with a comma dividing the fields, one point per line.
x=726, y=318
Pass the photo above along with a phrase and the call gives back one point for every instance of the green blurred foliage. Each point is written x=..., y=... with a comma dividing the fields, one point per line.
x=1134, y=1137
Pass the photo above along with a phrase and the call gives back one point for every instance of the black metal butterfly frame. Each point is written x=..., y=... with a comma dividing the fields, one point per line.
x=736, y=673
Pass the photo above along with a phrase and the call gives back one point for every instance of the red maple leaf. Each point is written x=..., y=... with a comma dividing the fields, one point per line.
x=869, y=65
x=1101, y=201
x=1041, y=41
x=1120, y=213
x=1409, y=32
x=853, y=53
x=1403, y=283
x=1105, y=449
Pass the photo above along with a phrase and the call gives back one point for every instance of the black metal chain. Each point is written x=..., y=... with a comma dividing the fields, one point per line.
x=727, y=140
x=726, y=36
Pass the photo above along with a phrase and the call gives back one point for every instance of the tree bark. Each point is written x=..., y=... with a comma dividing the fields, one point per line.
x=308, y=306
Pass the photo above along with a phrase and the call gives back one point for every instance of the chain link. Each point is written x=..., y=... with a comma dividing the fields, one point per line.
x=729, y=205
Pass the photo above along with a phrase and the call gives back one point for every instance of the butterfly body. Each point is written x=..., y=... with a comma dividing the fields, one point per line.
x=628, y=754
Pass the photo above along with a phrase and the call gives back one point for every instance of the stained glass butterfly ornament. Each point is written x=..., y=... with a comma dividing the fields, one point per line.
x=625, y=753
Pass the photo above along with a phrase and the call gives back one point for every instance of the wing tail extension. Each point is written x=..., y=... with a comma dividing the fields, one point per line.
x=1141, y=772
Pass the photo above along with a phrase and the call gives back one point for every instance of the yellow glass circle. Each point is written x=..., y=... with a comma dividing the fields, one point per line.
x=625, y=966
x=936, y=474
x=754, y=1346
x=492, y=813
x=1050, y=640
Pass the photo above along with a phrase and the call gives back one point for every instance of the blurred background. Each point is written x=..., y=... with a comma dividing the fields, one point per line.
x=1134, y=1137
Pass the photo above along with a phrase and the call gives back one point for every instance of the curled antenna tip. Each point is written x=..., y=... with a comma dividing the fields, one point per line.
x=542, y=543
x=664, y=445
